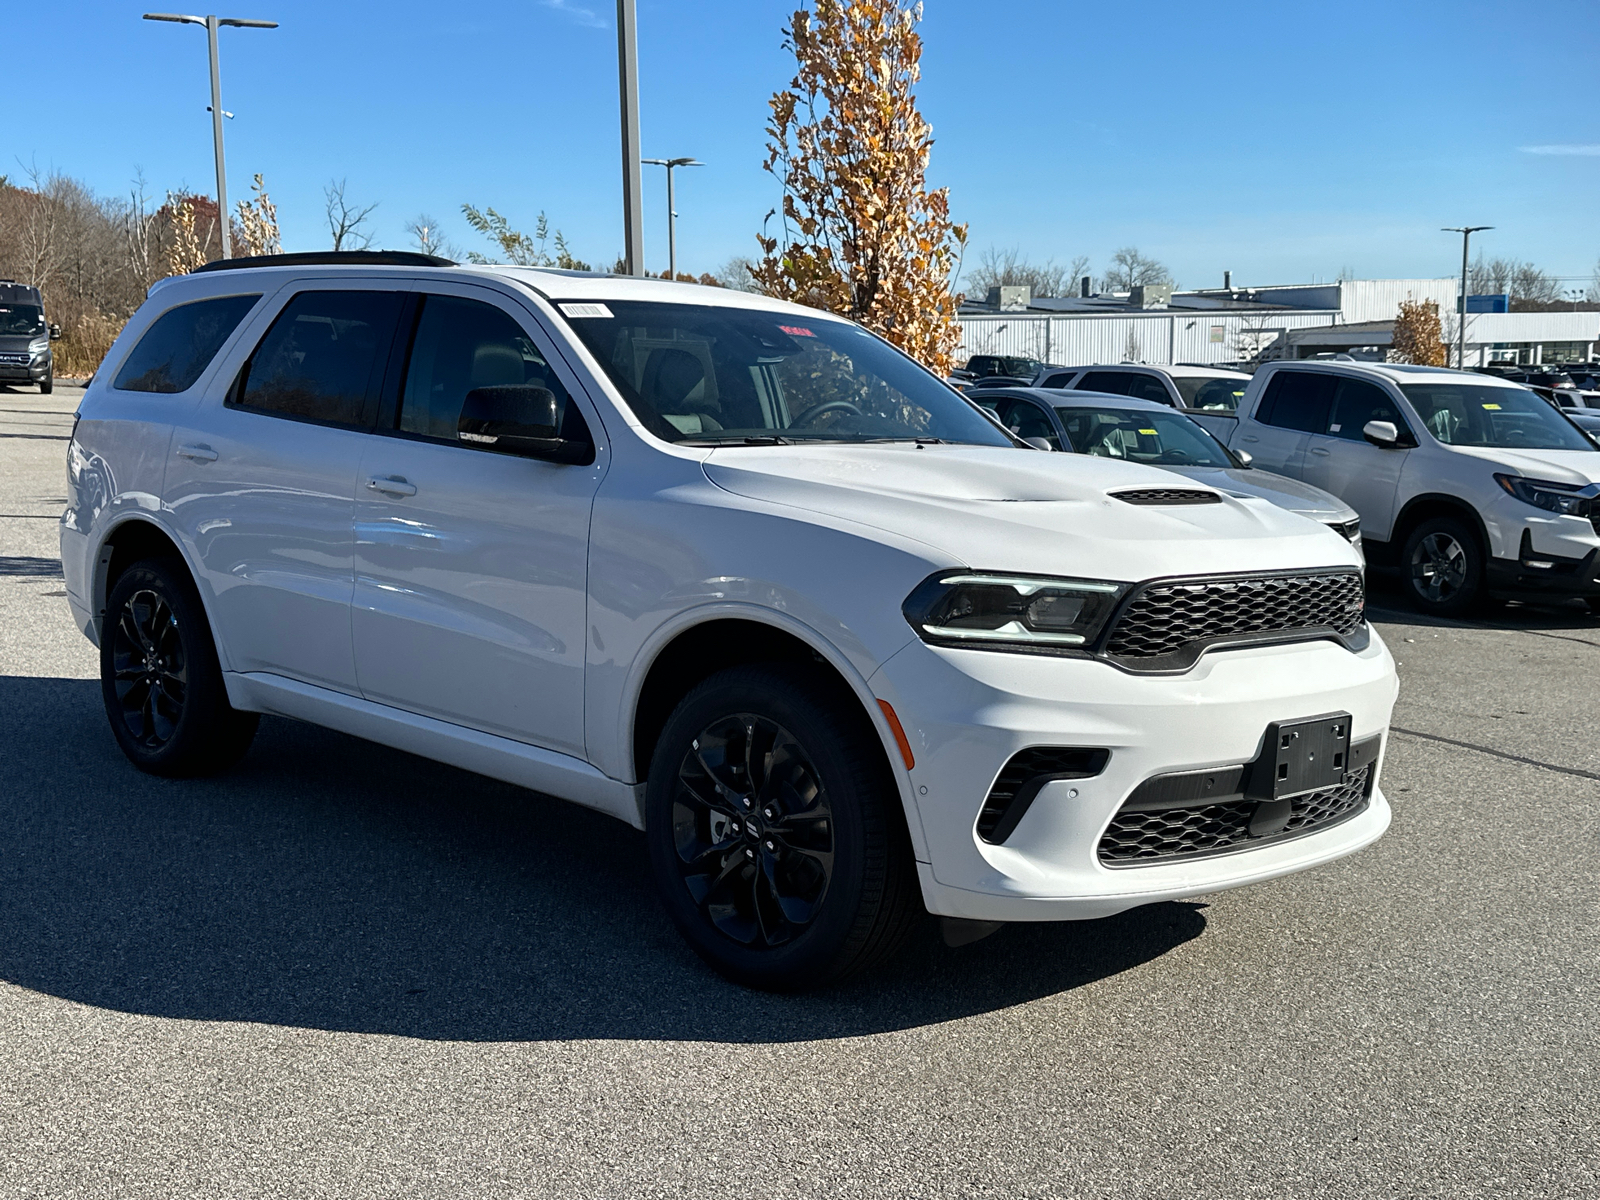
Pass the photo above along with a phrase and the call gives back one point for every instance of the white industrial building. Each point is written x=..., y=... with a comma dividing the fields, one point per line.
x=1230, y=324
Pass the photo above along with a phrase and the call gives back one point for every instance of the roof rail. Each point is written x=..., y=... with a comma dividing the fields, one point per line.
x=330, y=258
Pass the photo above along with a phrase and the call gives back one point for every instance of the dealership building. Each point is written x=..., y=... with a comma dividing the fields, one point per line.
x=1231, y=324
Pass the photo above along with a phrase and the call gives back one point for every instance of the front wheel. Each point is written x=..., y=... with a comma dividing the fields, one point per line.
x=1443, y=566
x=47, y=384
x=776, y=840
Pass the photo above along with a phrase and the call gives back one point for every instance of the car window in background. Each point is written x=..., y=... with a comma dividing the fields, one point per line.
x=1028, y=420
x=180, y=344
x=1298, y=400
x=21, y=319
x=1214, y=395
x=711, y=374
x=1058, y=380
x=1148, y=387
x=1355, y=402
x=1164, y=439
x=1467, y=414
x=1029, y=367
x=322, y=357
x=464, y=344
x=1115, y=383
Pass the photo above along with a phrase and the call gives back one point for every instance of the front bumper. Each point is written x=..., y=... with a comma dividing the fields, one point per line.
x=34, y=371
x=1534, y=552
x=967, y=712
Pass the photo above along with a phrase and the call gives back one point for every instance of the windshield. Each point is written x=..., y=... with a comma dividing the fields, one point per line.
x=1512, y=418
x=1162, y=439
x=706, y=375
x=21, y=318
x=1216, y=395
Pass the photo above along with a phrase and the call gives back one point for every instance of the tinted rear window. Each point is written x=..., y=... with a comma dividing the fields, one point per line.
x=322, y=357
x=180, y=345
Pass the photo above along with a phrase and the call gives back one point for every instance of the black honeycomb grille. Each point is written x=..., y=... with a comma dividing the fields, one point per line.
x=1157, y=496
x=1165, y=618
x=1144, y=838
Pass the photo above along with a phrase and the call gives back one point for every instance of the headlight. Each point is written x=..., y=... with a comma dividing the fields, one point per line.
x=1564, y=498
x=1007, y=612
x=39, y=344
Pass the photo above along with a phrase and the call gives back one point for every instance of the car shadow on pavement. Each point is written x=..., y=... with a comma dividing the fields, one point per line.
x=1387, y=604
x=330, y=883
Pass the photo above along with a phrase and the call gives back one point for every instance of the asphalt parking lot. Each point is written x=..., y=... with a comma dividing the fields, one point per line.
x=341, y=971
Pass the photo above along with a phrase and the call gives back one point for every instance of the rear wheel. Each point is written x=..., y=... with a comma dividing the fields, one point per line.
x=160, y=678
x=776, y=841
x=1443, y=565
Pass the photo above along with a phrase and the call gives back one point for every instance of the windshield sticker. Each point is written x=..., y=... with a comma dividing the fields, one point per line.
x=1148, y=432
x=1492, y=407
x=797, y=331
x=587, y=310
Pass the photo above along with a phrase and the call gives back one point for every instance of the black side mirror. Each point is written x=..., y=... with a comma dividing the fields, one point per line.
x=518, y=419
x=55, y=332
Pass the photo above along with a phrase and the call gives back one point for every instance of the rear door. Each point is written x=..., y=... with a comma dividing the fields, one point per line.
x=1341, y=460
x=1294, y=405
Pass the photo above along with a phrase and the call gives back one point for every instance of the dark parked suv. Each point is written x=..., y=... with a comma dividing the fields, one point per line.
x=25, y=337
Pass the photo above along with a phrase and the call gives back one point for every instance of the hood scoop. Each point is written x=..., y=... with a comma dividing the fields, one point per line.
x=1166, y=496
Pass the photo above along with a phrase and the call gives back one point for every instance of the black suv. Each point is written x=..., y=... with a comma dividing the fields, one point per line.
x=25, y=337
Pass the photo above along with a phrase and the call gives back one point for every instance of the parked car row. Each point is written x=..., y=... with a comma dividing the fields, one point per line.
x=739, y=573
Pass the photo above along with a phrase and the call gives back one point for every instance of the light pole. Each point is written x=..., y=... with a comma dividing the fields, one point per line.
x=628, y=80
x=1466, y=232
x=672, y=215
x=212, y=24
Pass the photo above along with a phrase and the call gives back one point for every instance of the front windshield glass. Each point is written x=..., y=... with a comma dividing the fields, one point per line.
x=1511, y=418
x=707, y=375
x=21, y=319
x=1215, y=395
x=1163, y=439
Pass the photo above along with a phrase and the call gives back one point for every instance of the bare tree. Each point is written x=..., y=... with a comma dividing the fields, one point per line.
x=1522, y=281
x=1594, y=284
x=1130, y=269
x=1006, y=268
x=737, y=273
x=346, y=221
x=429, y=238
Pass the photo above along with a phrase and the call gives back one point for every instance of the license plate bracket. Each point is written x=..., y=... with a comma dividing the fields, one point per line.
x=1301, y=756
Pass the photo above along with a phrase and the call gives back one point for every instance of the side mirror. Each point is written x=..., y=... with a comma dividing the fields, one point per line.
x=1382, y=434
x=55, y=332
x=1244, y=458
x=1038, y=443
x=518, y=419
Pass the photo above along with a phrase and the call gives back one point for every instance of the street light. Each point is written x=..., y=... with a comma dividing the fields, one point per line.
x=628, y=83
x=1466, y=231
x=672, y=216
x=212, y=24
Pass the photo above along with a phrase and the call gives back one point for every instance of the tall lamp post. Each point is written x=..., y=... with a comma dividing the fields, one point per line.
x=672, y=215
x=212, y=24
x=1466, y=232
x=628, y=81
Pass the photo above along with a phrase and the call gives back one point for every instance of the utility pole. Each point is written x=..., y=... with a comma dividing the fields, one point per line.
x=212, y=24
x=632, y=191
x=1466, y=232
x=672, y=213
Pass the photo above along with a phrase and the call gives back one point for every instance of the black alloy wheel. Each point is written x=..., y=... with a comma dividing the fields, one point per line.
x=777, y=841
x=160, y=678
x=1443, y=566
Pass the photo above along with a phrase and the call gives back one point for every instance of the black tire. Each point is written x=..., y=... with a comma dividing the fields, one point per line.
x=1594, y=604
x=160, y=677
x=797, y=870
x=1442, y=567
x=47, y=384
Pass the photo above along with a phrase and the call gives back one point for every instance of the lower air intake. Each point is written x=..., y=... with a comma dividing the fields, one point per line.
x=1024, y=777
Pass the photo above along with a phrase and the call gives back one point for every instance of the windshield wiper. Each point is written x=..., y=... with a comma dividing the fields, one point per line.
x=739, y=440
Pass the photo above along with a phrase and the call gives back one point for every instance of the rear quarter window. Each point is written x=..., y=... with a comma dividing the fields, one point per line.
x=180, y=344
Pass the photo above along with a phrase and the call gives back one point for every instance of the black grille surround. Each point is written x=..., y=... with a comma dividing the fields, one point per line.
x=1163, y=626
x=1139, y=837
x=1167, y=496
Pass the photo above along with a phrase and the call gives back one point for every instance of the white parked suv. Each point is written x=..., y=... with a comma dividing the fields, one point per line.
x=1474, y=487
x=1182, y=385
x=734, y=571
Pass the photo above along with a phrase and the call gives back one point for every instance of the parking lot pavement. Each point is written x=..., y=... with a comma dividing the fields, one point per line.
x=342, y=971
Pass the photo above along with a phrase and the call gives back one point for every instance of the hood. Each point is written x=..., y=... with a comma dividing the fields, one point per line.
x=995, y=508
x=1578, y=467
x=15, y=343
x=1286, y=493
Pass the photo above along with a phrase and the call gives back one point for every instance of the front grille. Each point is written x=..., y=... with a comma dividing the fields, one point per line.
x=1156, y=496
x=15, y=360
x=1021, y=779
x=1168, y=617
x=1145, y=838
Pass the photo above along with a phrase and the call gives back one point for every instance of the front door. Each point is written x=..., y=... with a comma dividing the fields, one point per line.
x=471, y=564
x=1294, y=405
x=262, y=483
x=1342, y=461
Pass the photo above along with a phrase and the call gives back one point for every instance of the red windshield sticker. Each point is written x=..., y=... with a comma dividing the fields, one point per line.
x=797, y=331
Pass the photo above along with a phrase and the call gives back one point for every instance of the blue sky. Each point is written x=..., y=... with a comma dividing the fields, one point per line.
x=1282, y=141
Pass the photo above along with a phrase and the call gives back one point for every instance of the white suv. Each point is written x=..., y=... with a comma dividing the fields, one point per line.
x=734, y=571
x=1473, y=486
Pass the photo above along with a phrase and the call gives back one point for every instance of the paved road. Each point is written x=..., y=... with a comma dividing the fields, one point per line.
x=340, y=971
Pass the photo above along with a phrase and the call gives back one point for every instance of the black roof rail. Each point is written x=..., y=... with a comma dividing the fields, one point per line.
x=330, y=258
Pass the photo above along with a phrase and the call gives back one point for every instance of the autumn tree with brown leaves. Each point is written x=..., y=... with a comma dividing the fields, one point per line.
x=1417, y=337
x=862, y=234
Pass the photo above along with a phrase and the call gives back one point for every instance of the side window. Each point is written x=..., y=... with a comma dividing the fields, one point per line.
x=1298, y=400
x=1355, y=403
x=1218, y=395
x=1029, y=420
x=1114, y=382
x=464, y=344
x=1060, y=380
x=181, y=344
x=1148, y=387
x=322, y=358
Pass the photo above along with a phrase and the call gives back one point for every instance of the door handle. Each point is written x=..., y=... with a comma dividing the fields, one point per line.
x=197, y=453
x=392, y=486
x=1249, y=437
x=1322, y=451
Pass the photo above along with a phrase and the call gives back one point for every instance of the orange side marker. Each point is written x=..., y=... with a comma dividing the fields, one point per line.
x=899, y=734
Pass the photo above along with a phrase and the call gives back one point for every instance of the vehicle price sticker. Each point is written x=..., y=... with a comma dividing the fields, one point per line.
x=587, y=310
